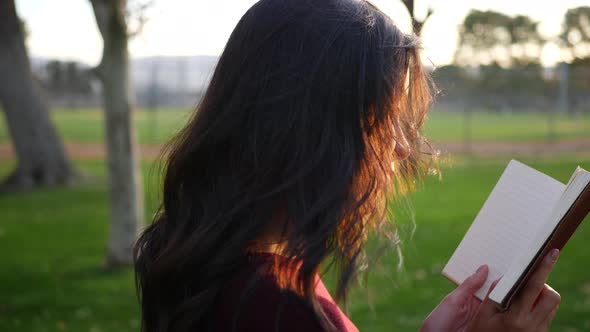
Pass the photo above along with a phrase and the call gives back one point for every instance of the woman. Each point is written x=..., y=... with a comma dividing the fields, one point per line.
x=307, y=131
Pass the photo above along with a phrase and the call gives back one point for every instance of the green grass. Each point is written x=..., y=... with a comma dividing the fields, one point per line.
x=87, y=126
x=486, y=126
x=52, y=244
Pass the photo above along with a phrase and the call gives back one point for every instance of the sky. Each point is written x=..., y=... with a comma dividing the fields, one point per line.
x=66, y=29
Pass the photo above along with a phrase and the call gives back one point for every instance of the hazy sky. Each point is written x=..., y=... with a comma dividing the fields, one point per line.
x=66, y=28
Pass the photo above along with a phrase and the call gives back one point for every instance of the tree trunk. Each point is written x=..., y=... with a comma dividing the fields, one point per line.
x=126, y=196
x=417, y=25
x=41, y=159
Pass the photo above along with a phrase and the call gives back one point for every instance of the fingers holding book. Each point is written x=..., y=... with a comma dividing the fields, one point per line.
x=533, y=309
x=537, y=304
x=547, y=307
x=535, y=289
x=524, y=202
x=527, y=212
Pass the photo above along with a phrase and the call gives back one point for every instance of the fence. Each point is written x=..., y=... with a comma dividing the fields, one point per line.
x=529, y=103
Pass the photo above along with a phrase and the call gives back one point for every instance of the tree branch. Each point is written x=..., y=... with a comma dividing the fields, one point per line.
x=137, y=14
x=417, y=25
x=410, y=7
x=428, y=14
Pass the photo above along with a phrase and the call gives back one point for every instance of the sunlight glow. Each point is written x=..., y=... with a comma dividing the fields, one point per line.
x=202, y=27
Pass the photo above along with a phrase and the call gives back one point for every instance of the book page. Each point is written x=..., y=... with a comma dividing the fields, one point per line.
x=575, y=186
x=519, y=204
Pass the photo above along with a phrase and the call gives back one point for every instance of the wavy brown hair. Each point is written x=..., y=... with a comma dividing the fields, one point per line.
x=313, y=114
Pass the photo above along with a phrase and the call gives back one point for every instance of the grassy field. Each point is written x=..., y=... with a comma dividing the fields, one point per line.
x=87, y=126
x=52, y=246
x=485, y=126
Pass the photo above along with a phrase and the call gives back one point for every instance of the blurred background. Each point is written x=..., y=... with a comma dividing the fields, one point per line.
x=91, y=89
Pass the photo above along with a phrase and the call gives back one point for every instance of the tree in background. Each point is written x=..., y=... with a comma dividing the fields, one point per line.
x=55, y=76
x=575, y=36
x=504, y=55
x=126, y=196
x=41, y=159
x=483, y=38
x=487, y=37
x=417, y=24
x=526, y=43
x=575, y=43
x=67, y=79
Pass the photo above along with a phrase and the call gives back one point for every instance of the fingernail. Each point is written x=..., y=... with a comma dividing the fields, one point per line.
x=553, y=255
x=480, y=269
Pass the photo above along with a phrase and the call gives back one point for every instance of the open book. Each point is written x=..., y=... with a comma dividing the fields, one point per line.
x=526, y=215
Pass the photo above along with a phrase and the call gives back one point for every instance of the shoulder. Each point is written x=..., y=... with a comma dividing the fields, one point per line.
x=255, y=302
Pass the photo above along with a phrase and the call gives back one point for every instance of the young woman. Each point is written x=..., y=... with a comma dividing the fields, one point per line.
x=307, y=131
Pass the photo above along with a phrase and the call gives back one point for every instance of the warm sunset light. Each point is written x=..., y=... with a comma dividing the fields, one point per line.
x=179, y=27
x=294, y=165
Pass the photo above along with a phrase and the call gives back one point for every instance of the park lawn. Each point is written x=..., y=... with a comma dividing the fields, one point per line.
x=156, y=126
x=52, y=246
x=480, y=126
x=87, y=125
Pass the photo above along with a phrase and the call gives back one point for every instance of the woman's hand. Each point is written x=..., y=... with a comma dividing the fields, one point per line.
x=458, y=308
x=532, y=310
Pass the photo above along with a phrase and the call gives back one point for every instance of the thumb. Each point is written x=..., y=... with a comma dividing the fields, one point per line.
x=473, y=283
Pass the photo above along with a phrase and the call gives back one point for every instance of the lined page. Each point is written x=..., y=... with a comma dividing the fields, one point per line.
x=575, y=186
x=519, y=204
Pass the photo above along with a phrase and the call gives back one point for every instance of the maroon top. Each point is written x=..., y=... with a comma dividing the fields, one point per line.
x=267, y=307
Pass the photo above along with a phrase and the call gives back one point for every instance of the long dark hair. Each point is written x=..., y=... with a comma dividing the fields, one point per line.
x=313, y=113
